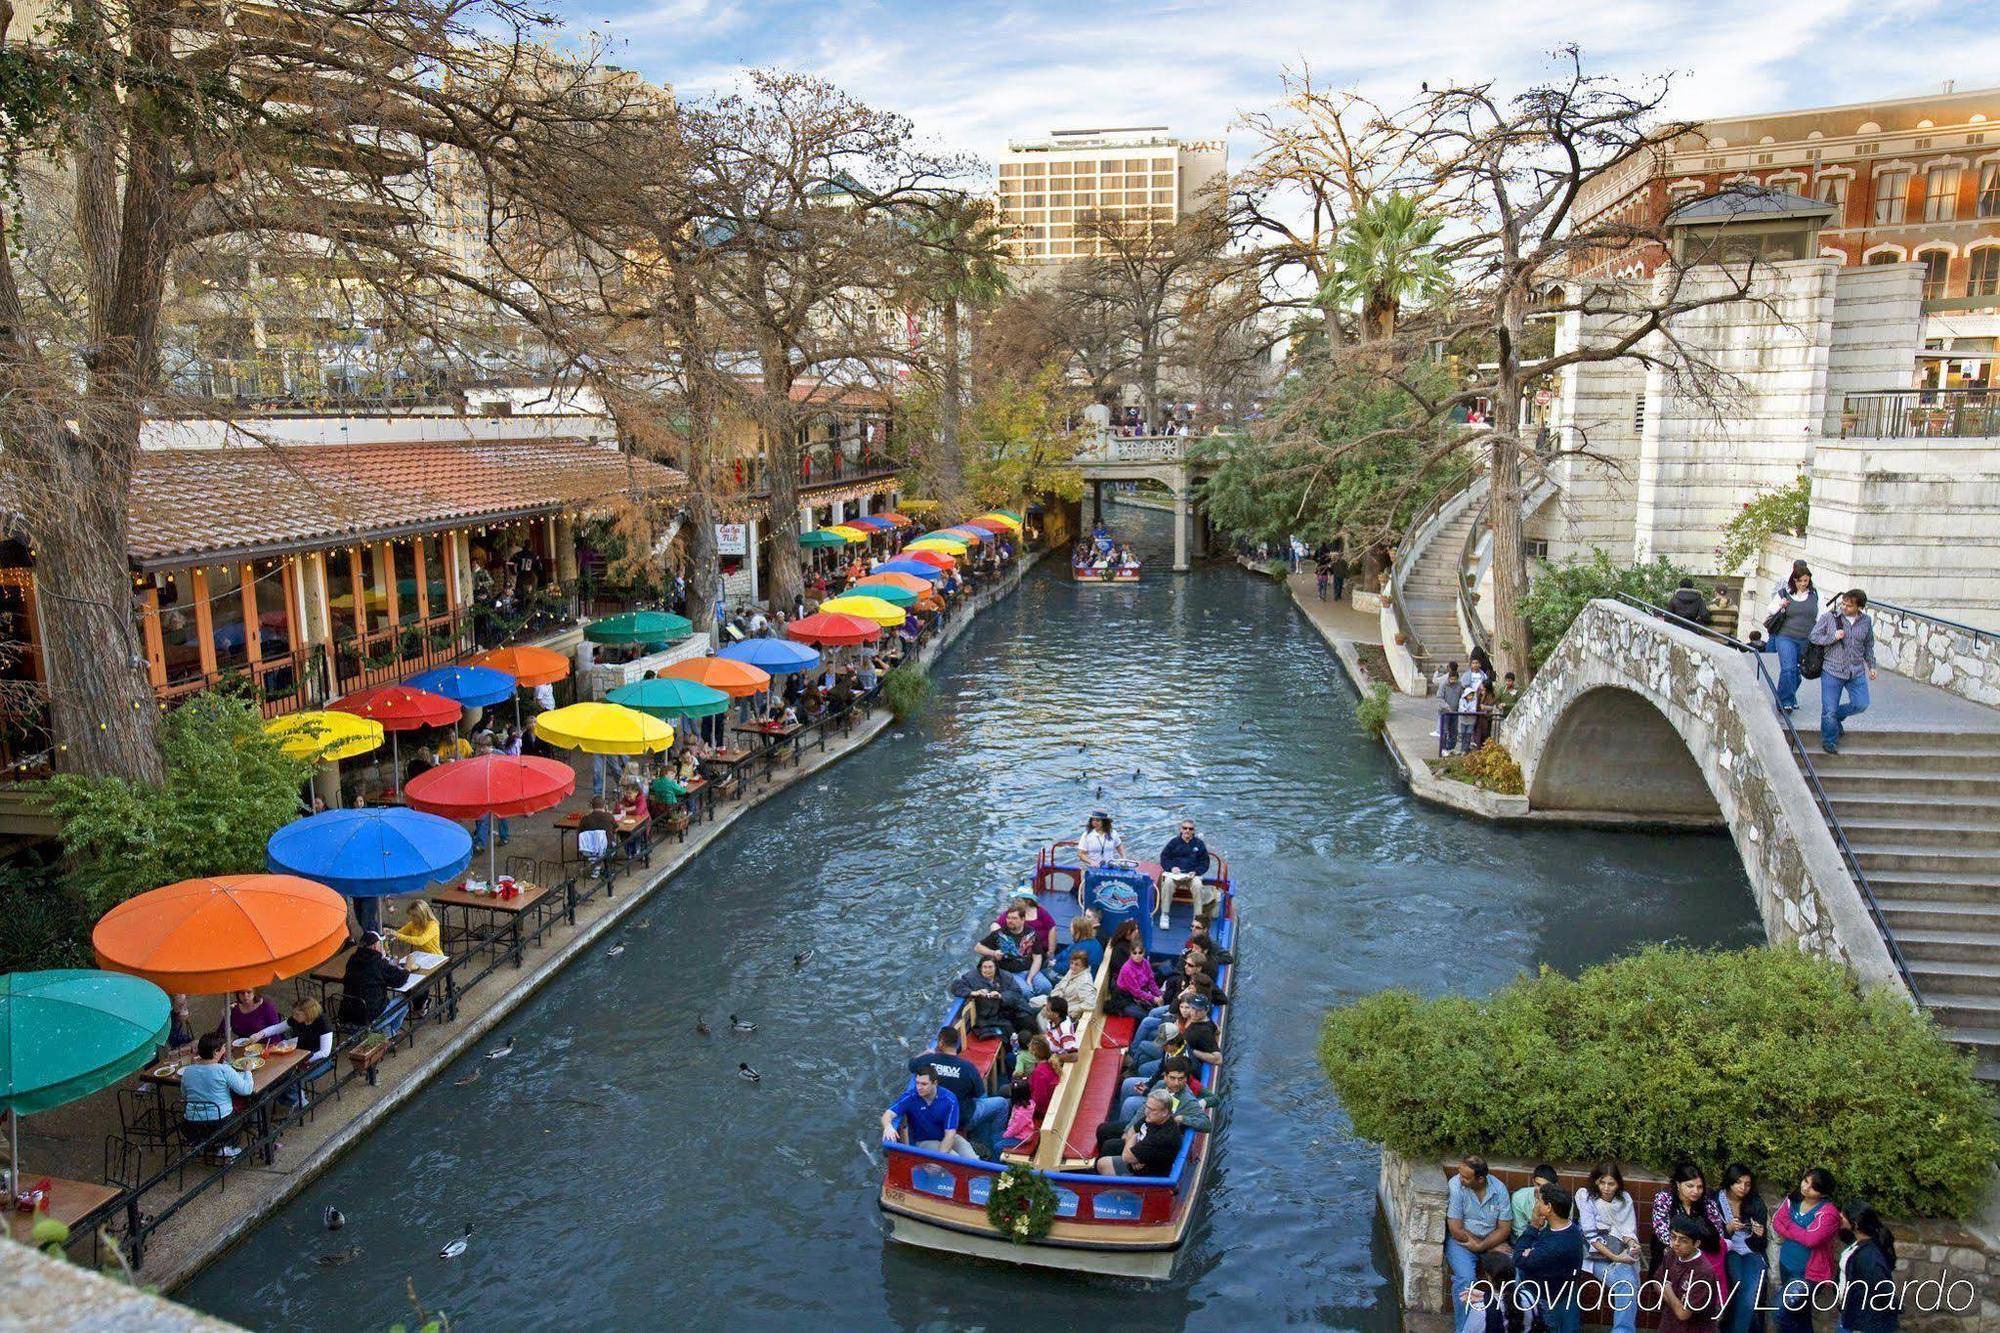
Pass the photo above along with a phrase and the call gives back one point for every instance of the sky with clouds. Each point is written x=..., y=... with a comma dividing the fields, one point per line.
x=975, y=75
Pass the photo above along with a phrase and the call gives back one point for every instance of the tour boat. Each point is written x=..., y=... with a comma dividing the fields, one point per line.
x=1127, y=1226
x=1103, y=563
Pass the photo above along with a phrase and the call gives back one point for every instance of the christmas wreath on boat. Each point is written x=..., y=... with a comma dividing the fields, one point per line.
x=1022, y=1205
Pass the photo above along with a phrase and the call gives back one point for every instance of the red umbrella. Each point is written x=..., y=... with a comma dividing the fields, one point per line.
x=400, y=708
x=931, y=558
x=830, y=628
x=501, y=785
x=992, y=525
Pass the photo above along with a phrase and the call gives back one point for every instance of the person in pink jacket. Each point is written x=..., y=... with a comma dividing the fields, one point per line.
x=1808, y=1227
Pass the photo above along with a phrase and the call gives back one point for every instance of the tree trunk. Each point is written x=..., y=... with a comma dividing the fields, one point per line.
x=948, y=476
x=1149, y=385
x=1510, y=565
x=104, y=719
x=785, y=579
x=704, y=563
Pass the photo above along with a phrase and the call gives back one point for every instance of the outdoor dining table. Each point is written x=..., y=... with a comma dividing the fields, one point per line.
x=504, y=915
x=71, y=1202
x=334, y=971
x=779, y=740
x=262, y=1080
x=566, y=832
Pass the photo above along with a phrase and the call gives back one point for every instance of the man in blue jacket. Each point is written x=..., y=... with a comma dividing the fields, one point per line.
x=1183, y=862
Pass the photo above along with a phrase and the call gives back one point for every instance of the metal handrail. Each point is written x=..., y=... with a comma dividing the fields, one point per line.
x=1960, y=627
x=1431, y=509
x=1468, y=605
x=1805, y=764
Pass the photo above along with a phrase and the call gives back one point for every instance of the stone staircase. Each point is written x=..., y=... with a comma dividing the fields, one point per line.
x=1430, y=594
x=1921, y=809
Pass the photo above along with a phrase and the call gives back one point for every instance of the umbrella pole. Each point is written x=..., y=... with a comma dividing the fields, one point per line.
x=13, y=1158
x=396, y=758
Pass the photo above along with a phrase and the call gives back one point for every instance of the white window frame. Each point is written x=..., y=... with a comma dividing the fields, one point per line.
x=1990, y=245
x=1920, y=256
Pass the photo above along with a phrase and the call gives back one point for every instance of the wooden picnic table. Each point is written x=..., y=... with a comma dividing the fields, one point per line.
x=70, y=1201
x=262, y=1080
x=503, y=912
x=334, y=971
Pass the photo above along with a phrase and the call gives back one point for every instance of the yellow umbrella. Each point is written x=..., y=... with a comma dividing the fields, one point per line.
x=325, y=736
x=868, y=608
x=949, y=545
x=603, y=729
x=1013, y=523
x=847, y=534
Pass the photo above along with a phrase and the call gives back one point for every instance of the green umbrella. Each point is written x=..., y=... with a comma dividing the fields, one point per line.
x=68, y=1033
x=1008, y=513
x=671, y=697
x=821, y=537
x=893, y=594
x=639, y=627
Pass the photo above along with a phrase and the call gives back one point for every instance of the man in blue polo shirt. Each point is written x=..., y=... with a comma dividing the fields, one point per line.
x=932, y=1120
x=1478, y=1217
x=982, y=1117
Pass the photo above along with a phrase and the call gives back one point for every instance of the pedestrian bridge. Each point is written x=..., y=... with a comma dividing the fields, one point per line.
x=1161, y=459
x=1633, y=717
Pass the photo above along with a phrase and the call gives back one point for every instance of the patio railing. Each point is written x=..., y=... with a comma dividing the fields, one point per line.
x=1901, y=414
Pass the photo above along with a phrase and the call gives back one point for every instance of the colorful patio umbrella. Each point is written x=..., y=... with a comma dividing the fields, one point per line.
x=868, y=608
x=899, y=520
x=999, y=527
x=601, y=728
x=670, y=697
x=325, y=737
x=922, y=569
x=473, y=686
x=224, y=933
x=829, y=629
x=1002, y=517
x=920, y=584
x=846, y=533
x=943, y=561
x=738, y=680
x=968, y=533
x=869, y=523
x=948, y=545
x=400, y=708
x=821, y=537
x=501, y=785
x=1007, y=513
x=778, y=657
x=377, y=853
x=528, y=665
x=639, y=627
x=892, y=593
x=67, y=1033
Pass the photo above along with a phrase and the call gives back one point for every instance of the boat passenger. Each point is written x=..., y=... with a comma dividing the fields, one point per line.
x=1194, y=1035
x=1014, y=947
x=1217, y=955
x=981, y=1116
x=1150, y=1146
x=1135, y=992
x=1184, y=861
x=1058, y=1025
x=1023, y=1121
x=1036, y=1052
x=1083, y=930
x=930, y=1120
x=1124, y=943
x=1042, y=1083
x=1078, y=987
x=1177, y=1077
x=1099, y=846
x=997, y=1008
x=1037, y=919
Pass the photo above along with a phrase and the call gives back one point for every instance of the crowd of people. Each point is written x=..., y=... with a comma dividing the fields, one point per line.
x=1103, y=554
x=1543, y=1255
x=1470, y=702
x=1033, y=987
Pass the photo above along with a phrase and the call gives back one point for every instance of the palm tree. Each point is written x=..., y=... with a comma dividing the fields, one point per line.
x=1384, y=259
x=963, y=265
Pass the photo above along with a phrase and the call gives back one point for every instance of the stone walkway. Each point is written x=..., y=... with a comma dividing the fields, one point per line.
x=70, y=1141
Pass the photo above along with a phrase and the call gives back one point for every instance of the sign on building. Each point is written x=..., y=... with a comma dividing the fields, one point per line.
x=732, y=539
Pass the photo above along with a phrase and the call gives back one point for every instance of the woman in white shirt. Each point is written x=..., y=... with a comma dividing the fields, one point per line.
x=1611, y=1242
x=1099, y=844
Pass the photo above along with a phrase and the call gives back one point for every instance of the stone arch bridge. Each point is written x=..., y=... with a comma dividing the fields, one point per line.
x=1633, y=717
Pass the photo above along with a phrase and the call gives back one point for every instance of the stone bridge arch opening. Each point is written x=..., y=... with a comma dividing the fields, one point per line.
x=1614, y=752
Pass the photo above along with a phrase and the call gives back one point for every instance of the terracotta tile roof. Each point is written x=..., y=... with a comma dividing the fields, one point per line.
x=241, y=501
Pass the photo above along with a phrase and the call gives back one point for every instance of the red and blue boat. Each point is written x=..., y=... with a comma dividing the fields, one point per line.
x=1128, y=1226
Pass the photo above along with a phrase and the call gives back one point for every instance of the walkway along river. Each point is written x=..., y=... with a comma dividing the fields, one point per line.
x=617, y=1173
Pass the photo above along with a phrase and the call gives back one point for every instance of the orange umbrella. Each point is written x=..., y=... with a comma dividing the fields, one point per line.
x=529, y=665
x=906, y=581
x=738, y=680
x=225, y=933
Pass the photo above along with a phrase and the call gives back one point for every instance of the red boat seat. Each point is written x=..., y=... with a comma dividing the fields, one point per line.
x=982, y=1051
x=1100, y=1091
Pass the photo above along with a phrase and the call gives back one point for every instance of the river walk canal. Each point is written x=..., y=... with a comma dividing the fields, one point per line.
x=618, y=1174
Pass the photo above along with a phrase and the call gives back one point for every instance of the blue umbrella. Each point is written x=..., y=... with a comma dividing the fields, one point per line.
x=917, y=567
x=779, y=657
x=374, y=853
x=472, y=686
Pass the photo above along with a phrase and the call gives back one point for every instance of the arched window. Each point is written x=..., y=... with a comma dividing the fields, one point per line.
x=1937, y=264
x=1983, y=273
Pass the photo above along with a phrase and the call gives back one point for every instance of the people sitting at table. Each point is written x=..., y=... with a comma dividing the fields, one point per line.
x=249, y=1014
x=1149, y=1147
x=924, y=1117
x=868, y=676
x=453, y=747
x=307, y=1026
x=841, y=697
x=180, y=1024
x=209, y=1088
x=367, y=984
x=1099, y=846
x=420, y=932
x=1184, y=861
x=632, y=801
x=422, y=762
x=687, y=768
x=997, y=1007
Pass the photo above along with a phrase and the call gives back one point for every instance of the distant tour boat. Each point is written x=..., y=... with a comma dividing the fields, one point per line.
x=1127, y=1226
x=1102, y=558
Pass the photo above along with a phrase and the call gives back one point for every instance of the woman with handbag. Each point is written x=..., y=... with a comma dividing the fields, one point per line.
x=1790, y=619
x=1611, y=1243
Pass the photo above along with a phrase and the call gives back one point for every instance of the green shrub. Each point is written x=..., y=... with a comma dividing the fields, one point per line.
x=1372, y=712
x=43, y=923
x=1559, y=593
x=1764, y=1055
x=1782, y=509
x=228, y=788
x=1489, y=767
x=906, y=690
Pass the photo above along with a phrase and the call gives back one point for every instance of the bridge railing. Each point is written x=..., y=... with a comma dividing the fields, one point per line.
x=1136, y=449
x=1804, y=760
